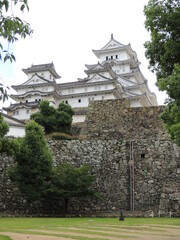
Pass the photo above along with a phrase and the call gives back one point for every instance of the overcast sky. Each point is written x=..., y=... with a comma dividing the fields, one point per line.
x=66, y=31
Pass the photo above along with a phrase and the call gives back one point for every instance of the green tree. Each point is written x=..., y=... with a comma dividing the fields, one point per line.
x=8, y=146
x=33, y=163
x=46, y=117
x=3, y=131
x=163, y=23
x=69, y=182
x=65, y=108
x=11, y=29
x=163, y=53
x=54, y=120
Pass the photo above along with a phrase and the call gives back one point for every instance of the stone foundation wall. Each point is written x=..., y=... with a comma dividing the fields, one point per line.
x=115, y=139
x=156, y=177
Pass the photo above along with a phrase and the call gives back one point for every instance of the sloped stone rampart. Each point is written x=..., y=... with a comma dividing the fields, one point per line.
x=112, y=119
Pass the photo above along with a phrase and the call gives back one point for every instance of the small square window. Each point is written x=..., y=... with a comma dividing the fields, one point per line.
x=66, y=102
x=106, y=57
x=26, y=101
x=111, y=57
x=116, y=56
x=79, y=100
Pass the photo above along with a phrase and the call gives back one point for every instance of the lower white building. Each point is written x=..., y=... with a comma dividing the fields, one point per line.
x=16, y=127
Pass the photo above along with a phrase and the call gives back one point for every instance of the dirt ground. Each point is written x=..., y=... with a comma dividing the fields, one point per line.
x=145, y=232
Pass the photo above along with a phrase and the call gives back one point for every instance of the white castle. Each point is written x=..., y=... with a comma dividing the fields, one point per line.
x=116, y=75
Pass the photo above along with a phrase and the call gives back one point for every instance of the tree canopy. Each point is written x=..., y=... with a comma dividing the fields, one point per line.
x=69, y=182
x=33, y=163
x=3, y=130
x=9, y=146
x=163, y=53
x=54, y=120
x=11, y=29
x=163, y=23
x=11, y=26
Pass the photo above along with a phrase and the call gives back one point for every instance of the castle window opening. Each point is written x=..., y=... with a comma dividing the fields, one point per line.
x=142, y=155
x=116, y=56
x=79, y=100
x=111, y=57
x=66, y=102
x=106, y=57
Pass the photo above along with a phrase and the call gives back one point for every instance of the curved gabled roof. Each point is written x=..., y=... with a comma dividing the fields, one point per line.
x=24, y=85
x=16, y=96
x=114, y=45
x=42, y=67
x=97, y=66
x=13, y=121
x=27, y=105
x=91, y=66
x=120, y=61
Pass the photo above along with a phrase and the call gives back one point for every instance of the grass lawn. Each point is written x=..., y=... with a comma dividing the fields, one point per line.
x=4, y=238
x=91, y=228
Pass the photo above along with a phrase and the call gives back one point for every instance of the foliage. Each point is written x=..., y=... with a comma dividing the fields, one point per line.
x=172, y=85
x=3, y=92
x=163, y=21
x=33, y=163
x=3, y=127
x=163, y=52
x=54, y=120
x=171, y=118
x=46, y=117
x=65, y=108
x=61, y=136
x=9, y=146
x=12, y=27
x=69, y=182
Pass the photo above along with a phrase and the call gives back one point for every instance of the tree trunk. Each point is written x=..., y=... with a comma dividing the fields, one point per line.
x=66, y=201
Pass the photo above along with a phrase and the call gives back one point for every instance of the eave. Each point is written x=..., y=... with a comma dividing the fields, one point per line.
x=20, y=122
x=99, y=52
x=83, y=84
x=28, y=105
x=94, y=93
x=31, y=93
x=42, y=67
